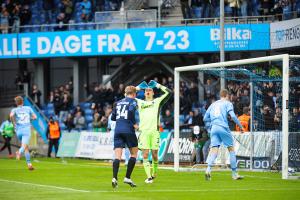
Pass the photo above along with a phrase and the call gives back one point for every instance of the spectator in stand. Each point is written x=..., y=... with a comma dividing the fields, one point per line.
x=25, y=15
x=36, y=95
x=18, y=82
x=79, y=122
x=61, y=22
x=67, y=9
x=48, y=6
x=278, y=118
x=170, y=83
x=15, y=18
x=86, y=10
x=109, y=95
x=197, y=119
x=168, y=120
x=69, y=122
x=244, y=98
x=194, y=93
x=78, y=109
x=64, y=107
x=268, y=118
x=185, y=105
x=234, y=5
x=4, y=17
x=97, y=122
x=120, y=92
x=57, y=102
x=295, y=121
x=186, y=10
x=189, y=119
x=244, y=8
x=254, y=8
x=95, y=95
x=51, y=97
x=210, y=88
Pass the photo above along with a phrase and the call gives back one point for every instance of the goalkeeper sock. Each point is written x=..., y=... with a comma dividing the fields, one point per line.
x=233, y=162
x=154, y=167
x=147, y=167
x=130, y=166
x=210, y=161
x=116, y=165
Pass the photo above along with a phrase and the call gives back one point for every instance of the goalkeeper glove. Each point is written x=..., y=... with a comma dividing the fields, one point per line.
x=152, y=84
x=142, y=85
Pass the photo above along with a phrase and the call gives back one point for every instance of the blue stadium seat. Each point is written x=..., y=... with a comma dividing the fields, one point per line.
x=50, y=106
x=87, y=105
x=90, y=127
x=88, y=118
x=88, y=111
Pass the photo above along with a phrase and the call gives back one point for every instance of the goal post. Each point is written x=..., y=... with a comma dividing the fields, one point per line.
x=284, y=59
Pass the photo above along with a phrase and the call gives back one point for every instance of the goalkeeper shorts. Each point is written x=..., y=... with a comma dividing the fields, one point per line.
x=149, y=140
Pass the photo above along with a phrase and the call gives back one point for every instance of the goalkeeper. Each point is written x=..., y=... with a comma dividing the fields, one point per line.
x=149, y=110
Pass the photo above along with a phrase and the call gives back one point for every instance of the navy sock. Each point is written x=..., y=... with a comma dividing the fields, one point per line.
x=116, y=165
x=130, y=166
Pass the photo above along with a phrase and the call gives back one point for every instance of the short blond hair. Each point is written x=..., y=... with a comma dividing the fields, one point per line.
x=19, y=100
x=129, y=90
x=223, y=93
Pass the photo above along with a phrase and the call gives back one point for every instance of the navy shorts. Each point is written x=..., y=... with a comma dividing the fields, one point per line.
x=122, y=140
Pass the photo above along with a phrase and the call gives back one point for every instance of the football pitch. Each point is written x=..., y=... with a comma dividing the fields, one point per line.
x=88, y=179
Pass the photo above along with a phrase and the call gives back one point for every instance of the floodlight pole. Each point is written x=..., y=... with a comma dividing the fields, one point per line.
x=222, y=45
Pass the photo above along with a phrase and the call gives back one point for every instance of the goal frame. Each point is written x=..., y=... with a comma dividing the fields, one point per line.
x=284, y=58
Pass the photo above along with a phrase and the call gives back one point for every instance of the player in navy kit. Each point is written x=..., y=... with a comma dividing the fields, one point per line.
x=126, y=116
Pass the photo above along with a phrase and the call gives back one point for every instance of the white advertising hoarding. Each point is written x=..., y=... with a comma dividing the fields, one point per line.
x=285, y=34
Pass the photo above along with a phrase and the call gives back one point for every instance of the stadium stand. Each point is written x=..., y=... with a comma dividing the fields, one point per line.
x=60, y=15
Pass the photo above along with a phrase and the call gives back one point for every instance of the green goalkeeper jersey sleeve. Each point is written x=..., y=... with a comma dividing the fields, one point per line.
x=149, y=111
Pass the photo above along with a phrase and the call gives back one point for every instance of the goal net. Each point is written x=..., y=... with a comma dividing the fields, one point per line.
x=267, y=91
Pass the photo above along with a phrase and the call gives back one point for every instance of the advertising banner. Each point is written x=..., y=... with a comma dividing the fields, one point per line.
x=285, y=34
x=68, y=144
x=168, y=40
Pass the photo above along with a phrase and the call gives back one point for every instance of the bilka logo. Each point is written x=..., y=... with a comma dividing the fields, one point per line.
x=231, y=34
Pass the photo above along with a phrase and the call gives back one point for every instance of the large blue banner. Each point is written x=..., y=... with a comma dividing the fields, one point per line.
x=134, y=41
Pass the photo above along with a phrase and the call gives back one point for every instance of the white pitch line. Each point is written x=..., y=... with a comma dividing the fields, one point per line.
x=45, y=186
x=199, y=190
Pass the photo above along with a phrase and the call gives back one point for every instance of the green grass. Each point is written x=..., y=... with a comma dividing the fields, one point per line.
x=93, y=179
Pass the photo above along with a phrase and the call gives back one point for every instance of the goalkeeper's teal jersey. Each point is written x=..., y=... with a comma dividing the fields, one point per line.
x=149, y=111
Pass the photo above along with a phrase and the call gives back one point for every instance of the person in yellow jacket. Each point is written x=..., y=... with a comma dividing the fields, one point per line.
x=245, y=120
x=53, y=135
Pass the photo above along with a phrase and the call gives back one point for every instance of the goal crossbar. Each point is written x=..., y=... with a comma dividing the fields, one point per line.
x=285, y=96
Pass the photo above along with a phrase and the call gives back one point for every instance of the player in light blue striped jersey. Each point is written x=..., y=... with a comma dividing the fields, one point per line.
x=21, y=117
x=217, y=115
